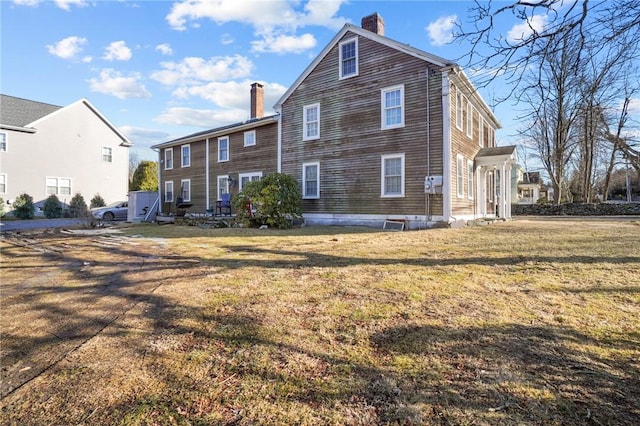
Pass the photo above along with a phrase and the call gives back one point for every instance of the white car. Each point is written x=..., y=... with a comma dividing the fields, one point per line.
x=114, y=211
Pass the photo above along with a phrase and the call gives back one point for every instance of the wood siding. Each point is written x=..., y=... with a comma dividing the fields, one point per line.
x=351, y=141
x=261, y=157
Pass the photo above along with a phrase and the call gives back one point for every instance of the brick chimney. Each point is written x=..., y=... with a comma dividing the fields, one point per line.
x=373, y=23
x=257, y=100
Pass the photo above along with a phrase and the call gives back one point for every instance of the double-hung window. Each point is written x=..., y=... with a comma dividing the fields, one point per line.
x=168, y=191
x=168, y=158
x=392, y=107
x=470, y=179
x=458, y=109
x=3, y=142
x=480, y=130
x=185, y=189
x=349, y=58
x=460, y=175
x=311, y=180
x=469, y=119
x=392, y=176
x=223, y=149
x=107, y=154
x=58, y=186
x=185, y=151
x=250, y=138
x=223, y=186
x=311, y=122
x=245, y=178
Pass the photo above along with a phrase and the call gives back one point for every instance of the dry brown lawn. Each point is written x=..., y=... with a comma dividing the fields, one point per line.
x=524, y=322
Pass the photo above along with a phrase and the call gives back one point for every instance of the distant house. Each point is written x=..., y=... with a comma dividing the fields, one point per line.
x=377, y=130
x=531, y=188
x=200, y=168
x=47, y=149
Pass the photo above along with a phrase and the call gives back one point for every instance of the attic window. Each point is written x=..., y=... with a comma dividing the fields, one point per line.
x=349, y=58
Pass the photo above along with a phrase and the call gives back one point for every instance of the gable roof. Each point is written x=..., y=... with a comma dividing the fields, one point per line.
x=24, y=115
x=444, y=64
x=18, y=112
x=420, y=54
x=220, y=131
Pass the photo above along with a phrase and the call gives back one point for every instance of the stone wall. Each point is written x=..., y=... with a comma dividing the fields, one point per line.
x=576, y=209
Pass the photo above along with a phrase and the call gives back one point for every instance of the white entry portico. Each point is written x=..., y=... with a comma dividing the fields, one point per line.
x=493, y=185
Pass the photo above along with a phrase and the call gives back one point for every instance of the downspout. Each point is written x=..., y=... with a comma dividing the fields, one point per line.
x=427, y=207
x=159, y=179
x=279, y=155
x=446, y=145
x=206, y=177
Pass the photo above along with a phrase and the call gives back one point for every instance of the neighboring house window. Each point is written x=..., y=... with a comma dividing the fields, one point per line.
x=349, y=58
x=223, y=149
x=469, y=119
x=168, y=158
x=480, y=130
x=392, y=175
x=460, y=175
x=107, y=154
x=245, y=178
x=186, y=155
x=311, y=122
x=470, y=179
x=393, y=107
x=168, y=191
x=311, y=180
x=58, y=186
x=185, y=189
x=223, y=186
x=3, y=184
x=3, y=142
x=250, y=138
x=458, y=109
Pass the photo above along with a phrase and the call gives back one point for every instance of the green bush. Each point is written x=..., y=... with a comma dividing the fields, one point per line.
x=77, y=206
x=97, y=201
x=23, y=207
x=276, y=200
x=52, y=207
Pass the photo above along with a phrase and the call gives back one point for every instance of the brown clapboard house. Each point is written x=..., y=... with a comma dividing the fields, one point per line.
x=374, y=130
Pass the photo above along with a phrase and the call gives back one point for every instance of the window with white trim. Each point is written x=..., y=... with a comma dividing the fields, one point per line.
x=349, y=58
x=245, y=178
x=3, y=142
x=223, y=149
x=250, y=138
x=3, y=184
x=107, y=154
x=480, y=130
x=311, y=122
x=491, y=185
x=392, y=175
x=185, y=189
x=223, y=185
x=460, y=175
x=58, y=186
x=470, y=179
x=168, y=158
x=185, y=155
x=458, y=109
x=392, y=107
x=491, y=142
x=311, y=180
x=168, y=191
x=469, y=119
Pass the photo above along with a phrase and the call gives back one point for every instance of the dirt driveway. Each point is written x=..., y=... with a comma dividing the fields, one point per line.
x=87, y=284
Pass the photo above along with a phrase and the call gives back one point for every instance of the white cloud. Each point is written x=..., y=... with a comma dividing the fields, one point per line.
x=227, y=39
x=523, y=30
x=66, y=4
x=67, y=48
x=142, y=137
x=204, y=118
x=441, y=31
x=272, y=20
x=26, y=2
x=282, y=44
x=112, y=82
x=194, y=70
x=165, y=49
x=117, y=51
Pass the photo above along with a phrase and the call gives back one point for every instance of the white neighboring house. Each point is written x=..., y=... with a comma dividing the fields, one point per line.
x=47, y=149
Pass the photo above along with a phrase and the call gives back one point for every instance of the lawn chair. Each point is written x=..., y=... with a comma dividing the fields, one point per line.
x=223, y=206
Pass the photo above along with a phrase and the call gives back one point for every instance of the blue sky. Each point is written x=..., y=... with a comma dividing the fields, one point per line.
x=159, y=70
